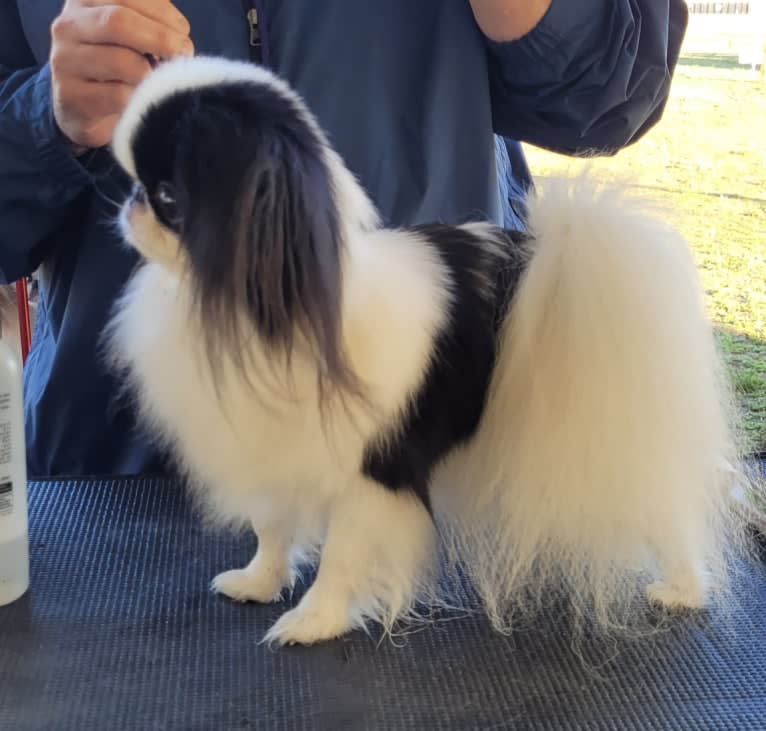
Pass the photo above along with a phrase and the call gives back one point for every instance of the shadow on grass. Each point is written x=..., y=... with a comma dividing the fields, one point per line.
x=746, y=359
x=714, y=194
x=710, y=60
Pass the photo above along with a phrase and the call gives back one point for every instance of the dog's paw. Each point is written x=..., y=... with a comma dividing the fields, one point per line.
x=689, y=595
x=247, y=585
x=307, y=625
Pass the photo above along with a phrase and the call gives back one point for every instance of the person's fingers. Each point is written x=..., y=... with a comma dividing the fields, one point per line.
x=101, y=63
x=99, y=98
x=162, y=11
x=117, y=25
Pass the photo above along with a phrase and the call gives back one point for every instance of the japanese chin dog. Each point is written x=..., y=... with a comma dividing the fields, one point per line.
x=535, y=413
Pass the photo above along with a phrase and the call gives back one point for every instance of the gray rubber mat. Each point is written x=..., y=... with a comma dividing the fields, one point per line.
x=119, y=631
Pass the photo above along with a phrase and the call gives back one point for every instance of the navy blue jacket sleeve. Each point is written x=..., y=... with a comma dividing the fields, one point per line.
x=39, y=175
x=592, y=77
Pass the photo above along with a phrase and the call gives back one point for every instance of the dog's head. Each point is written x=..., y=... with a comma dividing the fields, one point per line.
x=238, y=192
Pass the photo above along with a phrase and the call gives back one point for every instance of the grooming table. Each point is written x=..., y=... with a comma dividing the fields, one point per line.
x=120, y=631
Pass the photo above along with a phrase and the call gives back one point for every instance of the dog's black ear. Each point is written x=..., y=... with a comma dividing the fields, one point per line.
x=263, y=234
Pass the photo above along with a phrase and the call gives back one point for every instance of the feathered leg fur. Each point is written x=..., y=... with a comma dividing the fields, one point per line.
x=378, y=551
x=600, y=460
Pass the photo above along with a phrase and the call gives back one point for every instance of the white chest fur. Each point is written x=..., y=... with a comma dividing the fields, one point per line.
x=251, y=439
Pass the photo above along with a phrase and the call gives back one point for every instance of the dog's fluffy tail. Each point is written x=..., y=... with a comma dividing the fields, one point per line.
x=606, y=456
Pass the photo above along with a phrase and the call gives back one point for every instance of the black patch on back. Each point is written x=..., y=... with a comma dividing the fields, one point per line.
x=448, y=408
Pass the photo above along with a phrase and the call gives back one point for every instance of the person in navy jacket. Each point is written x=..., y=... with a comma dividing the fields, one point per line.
x=426, y=101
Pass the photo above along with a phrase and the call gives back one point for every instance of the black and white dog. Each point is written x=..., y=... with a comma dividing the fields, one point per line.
x=548, y=410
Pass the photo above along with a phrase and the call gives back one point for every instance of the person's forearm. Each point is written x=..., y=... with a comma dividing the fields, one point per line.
x=508, y=20
x=39, y=177
x=591, y=77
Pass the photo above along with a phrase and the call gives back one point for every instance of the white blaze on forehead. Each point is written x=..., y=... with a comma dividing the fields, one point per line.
x=184, y=74
x=189, y=74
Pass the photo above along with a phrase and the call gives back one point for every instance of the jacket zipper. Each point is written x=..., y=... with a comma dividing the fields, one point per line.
x=255, y=32
x=258, y=50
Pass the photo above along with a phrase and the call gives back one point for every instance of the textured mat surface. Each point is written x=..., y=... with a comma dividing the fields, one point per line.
x=119, y=631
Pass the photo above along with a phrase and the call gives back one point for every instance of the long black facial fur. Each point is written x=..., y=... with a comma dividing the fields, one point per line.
x=254, y=211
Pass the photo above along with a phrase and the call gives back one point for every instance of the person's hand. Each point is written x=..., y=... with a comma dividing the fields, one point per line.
x=99, y=54
x=508, y=20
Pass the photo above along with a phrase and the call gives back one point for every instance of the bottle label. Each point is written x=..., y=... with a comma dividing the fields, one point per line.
x=6, y=485
x=6, y=498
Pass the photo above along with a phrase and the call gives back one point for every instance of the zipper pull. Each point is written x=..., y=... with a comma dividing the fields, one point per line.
x=255, y=33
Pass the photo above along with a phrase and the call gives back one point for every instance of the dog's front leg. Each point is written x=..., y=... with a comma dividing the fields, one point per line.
x=376, y=557
x=271, y=571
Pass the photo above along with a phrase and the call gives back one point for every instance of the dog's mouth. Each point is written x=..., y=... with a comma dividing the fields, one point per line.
x=141, y=229
x=135, y=204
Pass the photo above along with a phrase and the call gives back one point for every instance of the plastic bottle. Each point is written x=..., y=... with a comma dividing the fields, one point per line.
x=14, y=532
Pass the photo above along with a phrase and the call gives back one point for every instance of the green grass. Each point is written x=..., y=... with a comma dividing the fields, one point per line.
x=706, y=160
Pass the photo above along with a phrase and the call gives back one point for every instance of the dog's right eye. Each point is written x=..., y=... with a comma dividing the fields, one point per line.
x=166, y=205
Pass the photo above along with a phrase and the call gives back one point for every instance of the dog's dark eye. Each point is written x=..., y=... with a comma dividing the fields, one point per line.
x=165, y=203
